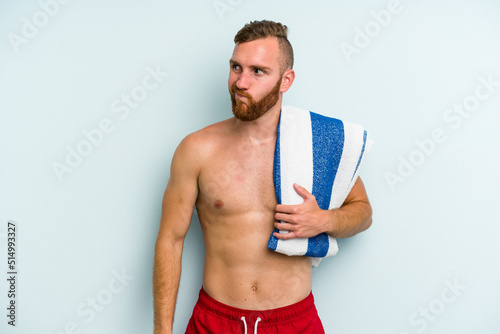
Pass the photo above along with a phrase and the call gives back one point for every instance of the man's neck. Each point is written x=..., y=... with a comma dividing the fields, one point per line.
x=262, y=130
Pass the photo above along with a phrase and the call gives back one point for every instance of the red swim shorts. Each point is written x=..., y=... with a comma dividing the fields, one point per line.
x=212, y=317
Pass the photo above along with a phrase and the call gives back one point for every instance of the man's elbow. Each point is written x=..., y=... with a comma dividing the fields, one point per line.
x=168, y=243
x=368, y=224
x=369, y=220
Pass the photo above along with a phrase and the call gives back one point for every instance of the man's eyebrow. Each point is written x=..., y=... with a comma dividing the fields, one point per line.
x=256, y=67
x=262, y=68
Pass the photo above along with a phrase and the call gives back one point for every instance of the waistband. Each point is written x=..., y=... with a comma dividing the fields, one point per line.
x=272, y=316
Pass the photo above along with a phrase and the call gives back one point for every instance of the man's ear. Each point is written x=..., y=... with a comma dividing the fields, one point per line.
x=287, y=80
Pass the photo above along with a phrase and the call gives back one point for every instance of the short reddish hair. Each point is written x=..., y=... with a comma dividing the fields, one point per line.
x=262, y=29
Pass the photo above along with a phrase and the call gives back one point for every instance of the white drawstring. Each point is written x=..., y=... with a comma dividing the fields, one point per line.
x=245, y=324
x=256, y=322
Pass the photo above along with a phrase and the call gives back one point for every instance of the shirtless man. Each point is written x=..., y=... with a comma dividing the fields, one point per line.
x=226, y=171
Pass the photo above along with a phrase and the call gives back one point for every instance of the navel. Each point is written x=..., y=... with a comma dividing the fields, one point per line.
x=218, y=204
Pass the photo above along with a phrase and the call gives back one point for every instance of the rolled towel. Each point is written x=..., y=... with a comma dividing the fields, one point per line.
x=323, y=155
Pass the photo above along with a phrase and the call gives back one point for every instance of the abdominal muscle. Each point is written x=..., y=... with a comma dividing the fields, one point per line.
x=240, y=271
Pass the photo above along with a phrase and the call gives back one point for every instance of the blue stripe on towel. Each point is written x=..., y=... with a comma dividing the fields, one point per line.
x=365, y=134
x=328, y=144
x=273, y=242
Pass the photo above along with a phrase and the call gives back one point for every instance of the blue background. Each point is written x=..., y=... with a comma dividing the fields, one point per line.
x=433, y=227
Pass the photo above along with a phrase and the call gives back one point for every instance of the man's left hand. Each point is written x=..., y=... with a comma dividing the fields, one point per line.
x=302, y=220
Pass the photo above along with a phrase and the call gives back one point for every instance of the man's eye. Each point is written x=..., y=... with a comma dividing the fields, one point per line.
x=258, y=71
x=236, y=67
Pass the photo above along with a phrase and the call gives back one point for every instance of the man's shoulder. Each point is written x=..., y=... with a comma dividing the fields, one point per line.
x=205, y=140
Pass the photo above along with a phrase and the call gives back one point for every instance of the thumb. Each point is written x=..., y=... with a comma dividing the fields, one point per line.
x=301, y=191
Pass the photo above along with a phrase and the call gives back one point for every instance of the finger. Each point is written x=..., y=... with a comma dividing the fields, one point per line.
x=285, y=218
x=284, y=226
x=285, y=208
x=284, y=236
x=301, y=191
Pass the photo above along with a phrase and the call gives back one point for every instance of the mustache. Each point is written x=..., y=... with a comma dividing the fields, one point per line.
x=235, y=89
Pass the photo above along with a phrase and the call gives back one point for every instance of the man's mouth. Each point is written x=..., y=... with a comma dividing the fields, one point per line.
x=240, y=96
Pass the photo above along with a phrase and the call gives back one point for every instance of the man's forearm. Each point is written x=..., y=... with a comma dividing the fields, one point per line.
x=350, y=219
x=166, y=277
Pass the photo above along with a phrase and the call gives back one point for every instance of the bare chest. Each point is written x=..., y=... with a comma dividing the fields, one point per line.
x=237, y=180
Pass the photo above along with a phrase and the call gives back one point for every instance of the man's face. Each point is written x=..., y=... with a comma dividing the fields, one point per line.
x=254, y=78
x=248, y=109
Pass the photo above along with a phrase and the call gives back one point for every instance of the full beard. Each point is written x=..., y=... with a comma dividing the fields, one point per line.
x=253, y=109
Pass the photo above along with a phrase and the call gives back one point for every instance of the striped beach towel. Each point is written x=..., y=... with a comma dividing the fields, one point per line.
x=323, y=155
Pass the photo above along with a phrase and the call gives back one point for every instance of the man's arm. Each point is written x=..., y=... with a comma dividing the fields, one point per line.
x=307, y=219
x=177, y=208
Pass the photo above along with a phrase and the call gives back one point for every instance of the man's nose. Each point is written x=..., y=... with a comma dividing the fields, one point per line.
x=243, y=81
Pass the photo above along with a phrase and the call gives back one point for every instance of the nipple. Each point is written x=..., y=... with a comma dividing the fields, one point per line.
x=218, y=204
